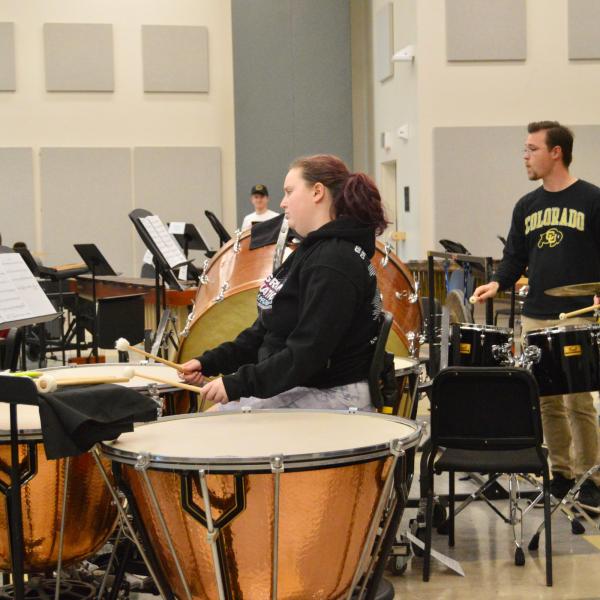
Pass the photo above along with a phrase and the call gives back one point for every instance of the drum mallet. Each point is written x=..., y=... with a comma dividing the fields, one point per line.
x=123, y=346
x=48, y=383
x=581, y=311
x=179, y=384
x=473, y=299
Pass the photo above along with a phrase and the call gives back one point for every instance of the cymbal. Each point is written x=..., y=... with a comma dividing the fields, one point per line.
x=576, y=289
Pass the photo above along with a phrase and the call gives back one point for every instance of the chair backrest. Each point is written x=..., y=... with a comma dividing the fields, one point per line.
x=377, y=362
x=224, y=237
x=485, y=408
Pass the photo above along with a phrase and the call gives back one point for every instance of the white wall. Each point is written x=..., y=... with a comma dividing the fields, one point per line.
x=32, y=117
x=434, y=93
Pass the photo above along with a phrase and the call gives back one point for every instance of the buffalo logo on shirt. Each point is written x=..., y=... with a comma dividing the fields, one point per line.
x=267, y=292
x=552, y=237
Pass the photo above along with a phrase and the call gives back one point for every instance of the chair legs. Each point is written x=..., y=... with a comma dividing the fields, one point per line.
x=548, y=531
x=451, y=504
x=428, y=527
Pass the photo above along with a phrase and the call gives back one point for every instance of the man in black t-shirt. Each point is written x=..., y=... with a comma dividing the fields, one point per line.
x=555, y=234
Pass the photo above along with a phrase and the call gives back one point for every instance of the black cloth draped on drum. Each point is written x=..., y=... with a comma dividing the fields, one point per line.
x=75, y=419
x=267, y=232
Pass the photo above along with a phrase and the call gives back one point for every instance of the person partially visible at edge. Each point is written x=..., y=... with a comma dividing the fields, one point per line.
x=318, y=314
x=555, y=234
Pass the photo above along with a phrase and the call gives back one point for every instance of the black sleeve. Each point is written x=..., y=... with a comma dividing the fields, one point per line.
x=327, y=309
x=229, y=356
x=516, y=253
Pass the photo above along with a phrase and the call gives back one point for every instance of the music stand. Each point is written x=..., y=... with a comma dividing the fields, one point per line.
x=98, y=265
x=191, y=239
x=162, y=268
x=29, y=261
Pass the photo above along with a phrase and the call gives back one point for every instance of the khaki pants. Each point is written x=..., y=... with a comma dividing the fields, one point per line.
x=570, y=422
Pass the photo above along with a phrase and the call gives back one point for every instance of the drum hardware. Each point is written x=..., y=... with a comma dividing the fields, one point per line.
x=166, y=333
x=503, y=354
x=412, y=297
x=237, y=246
x=188, y=322
x=203, y=276
x=153, y=393
x=123, y=346
x=125, y=522
x=180, y=384
x=387, y=248
x=281, y=244
x=221, y=296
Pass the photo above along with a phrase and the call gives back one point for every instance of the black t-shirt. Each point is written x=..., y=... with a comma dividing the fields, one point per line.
x=556, y=235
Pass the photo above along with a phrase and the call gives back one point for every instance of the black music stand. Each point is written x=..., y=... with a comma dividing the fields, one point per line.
x=98, y=265
x=191, y=239
x=162, y=269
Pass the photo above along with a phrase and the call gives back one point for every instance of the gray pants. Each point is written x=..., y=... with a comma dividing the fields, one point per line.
x=336, y=398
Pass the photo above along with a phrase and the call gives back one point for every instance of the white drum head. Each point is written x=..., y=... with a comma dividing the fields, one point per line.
x=28, y=419
x=235, y=439
x=402, y=365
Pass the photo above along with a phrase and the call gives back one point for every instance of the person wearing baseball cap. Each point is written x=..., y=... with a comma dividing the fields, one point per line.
x=259, y=196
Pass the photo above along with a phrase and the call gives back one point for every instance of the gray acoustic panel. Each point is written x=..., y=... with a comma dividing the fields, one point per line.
x=474, y=205
x=292, y=88
x=175, y=58
x=584, y=24
x=486, y=30
x=17, y=223
x=78, y=57
x=383, y=41
x=7, y=58
x=179, y=184
x=86, y=197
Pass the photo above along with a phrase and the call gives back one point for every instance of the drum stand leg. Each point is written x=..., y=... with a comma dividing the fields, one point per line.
x=212, y=534
x=62, y=529
x=126, y=523
x=396, y=451
x=109, y=565
x=142, y=467
x=277, y=469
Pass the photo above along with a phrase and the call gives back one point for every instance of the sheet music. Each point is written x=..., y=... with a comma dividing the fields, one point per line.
x=21, y=296
x=177, y=227
x=165, y=242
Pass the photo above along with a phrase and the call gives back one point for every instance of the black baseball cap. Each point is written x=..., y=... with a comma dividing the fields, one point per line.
x=261, y=189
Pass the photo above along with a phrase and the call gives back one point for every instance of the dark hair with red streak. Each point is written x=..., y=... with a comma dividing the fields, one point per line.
x=353, y=194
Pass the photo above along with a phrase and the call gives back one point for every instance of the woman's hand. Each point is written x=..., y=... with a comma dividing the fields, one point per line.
x=191, y=372
x=214, y=391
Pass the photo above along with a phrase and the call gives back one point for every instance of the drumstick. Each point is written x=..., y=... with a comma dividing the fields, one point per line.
x=48, y=383
x=123, y=346
x=180, y=384
x=581, y=311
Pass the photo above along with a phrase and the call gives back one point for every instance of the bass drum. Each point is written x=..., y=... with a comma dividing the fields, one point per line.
x=226, y=301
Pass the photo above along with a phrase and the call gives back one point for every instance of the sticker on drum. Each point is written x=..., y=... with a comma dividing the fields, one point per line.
x=569, y=359
x=90, y=515
x=330, y=482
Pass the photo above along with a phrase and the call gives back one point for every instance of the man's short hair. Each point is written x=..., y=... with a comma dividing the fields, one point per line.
x=556, y=135
x=259, y=189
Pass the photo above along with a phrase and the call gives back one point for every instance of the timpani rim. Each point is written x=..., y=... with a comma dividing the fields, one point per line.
x=292, y=462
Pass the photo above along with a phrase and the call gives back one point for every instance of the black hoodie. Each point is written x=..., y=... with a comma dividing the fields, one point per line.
x=317, y=319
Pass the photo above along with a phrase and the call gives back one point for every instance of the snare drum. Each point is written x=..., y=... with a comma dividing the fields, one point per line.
x=89, y=517
x=175, y=400
x=569, y=360
x=328, y=472
x=472, y=345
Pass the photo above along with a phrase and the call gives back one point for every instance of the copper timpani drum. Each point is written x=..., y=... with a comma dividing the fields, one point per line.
x=266, y=504
x=89, y=516
x=226, y=299
x=173, y=399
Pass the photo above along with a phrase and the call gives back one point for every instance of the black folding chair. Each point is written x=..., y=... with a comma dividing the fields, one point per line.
x=487, y=420
x=224, y=237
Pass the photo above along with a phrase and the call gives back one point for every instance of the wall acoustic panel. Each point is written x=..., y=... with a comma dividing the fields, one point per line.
x=86, y=197
x=584, y=23
x=473, y=205
x=175, y=58
x=384, y=42
x=292, y=89
x=7, y=58
x=17, y=213
x=486, y=30
x=179, y=184
x=78, y=57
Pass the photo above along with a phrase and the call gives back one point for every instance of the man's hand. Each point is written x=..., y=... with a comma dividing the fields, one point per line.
x=191, y=372
x=483, y=292
x=214, y=391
